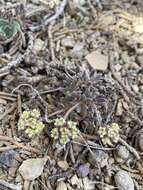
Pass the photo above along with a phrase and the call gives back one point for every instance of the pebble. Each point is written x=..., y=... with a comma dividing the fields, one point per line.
x=97, y=60
x=124, y=181
x=7, y=158
x=98, y=158
x=119, y=109
x=38, y=45
x=123, y=152
x=77, y=51
x=68, y=42
x=63, y=165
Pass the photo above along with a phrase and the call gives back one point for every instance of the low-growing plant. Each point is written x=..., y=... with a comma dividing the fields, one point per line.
x=8, y=29
x=30, y=122
x=64, y=131
x=109, y=134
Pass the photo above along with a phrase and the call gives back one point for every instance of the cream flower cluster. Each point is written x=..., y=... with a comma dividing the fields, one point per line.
x=64, y=131
x=30, y=122
x=109, y=134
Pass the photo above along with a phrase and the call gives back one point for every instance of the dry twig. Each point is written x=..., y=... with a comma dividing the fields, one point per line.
x=19, y=145
x=16, y=63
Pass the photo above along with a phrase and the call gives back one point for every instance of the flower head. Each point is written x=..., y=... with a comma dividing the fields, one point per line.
x=30, y=122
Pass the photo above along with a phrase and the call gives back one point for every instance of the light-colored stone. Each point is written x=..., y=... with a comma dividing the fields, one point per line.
x=119, y=109
x=68, y=42
x=97, y=60
x=78, y=50
x=121, y=154
x=38, y=45
x=124, y=181
x=63, y=165
x=98, y=158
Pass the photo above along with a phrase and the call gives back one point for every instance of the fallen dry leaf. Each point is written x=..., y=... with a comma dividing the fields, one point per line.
x=32, y=168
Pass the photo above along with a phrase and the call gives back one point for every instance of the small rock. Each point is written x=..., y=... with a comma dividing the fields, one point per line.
x=119, y=109
x=123, y=152
x=7, y=159
x=63, y=165
x=38, y=45
x=61, y=186
x=97, y=60
x=83, y=170
x=98, y=158
x=124, y=181
x=68, y=42
x=77, y=51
